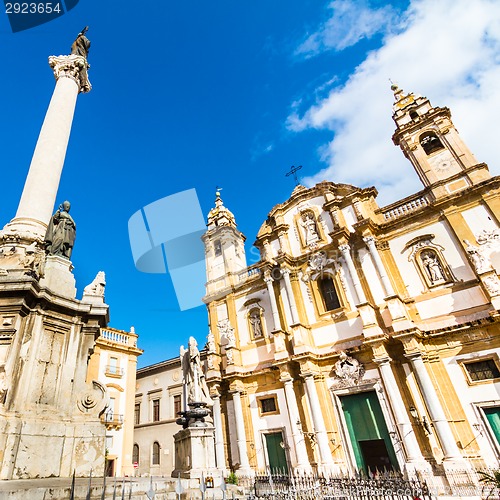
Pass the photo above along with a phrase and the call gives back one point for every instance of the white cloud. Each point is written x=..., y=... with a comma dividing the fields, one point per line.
x=448, y=51
x=349, y=23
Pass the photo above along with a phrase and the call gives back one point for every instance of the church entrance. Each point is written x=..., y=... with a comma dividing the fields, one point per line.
x=368, y=432
x=276, y=455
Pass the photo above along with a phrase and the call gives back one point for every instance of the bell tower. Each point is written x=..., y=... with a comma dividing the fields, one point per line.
x=224, y=244
x=429, y=139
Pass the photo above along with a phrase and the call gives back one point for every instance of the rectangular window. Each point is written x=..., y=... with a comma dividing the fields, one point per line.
x=268, y=405
x=137, y=414
x=156, y=410
x=485, y=369
x=177, y=404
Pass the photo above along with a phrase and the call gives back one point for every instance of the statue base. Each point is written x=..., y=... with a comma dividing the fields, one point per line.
x=195, y=453
x=58, y=276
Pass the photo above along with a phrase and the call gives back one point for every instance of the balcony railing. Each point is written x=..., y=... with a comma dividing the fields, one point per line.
x=394, y=211
x=112, y=419
x=113, y=371
x=118, y=337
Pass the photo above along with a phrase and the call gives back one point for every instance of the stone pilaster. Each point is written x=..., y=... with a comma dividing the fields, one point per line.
x=414, y=457
x=327, y=464
x=346, y=253
x=290, y=295
x=372, y=248
x=241, y=439
x=274, y=305
x=303, y=464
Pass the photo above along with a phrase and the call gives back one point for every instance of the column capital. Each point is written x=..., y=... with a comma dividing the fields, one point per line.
x=369, y=240
x=345, y=248
x=74, y=67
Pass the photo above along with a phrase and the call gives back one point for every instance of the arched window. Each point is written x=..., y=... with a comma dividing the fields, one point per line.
x=156, y=453
x=430, y=142
x=135, y=453
x=413, y=115
x=329, y=293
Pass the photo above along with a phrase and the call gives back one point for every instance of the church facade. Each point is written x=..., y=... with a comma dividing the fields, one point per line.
x=365, y=337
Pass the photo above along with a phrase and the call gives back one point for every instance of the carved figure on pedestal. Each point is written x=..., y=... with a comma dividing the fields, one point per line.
x=211, y=342
x=61, y=232
x=227, y=331
x=478, y=260
x=81, y=45
x=192, y=374
x=97, y=286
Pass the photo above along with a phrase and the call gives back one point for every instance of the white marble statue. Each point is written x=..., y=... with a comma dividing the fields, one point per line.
x=308, y=224
x=193, y=378
x=432, y=266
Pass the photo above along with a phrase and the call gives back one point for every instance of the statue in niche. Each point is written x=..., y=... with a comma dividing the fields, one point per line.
x=432, y=266
x=308, y=223
x=61, y=232
x=255, y=323
x=81, y=45
x=192, y=374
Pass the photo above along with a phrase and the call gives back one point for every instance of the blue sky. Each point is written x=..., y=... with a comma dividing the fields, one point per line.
x=198, y=94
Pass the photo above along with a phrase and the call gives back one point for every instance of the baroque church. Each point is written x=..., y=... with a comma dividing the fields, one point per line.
x=365, y=337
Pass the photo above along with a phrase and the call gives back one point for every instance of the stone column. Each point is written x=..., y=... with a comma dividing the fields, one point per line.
x=346, y=253
x=40, y=189
x=319, y=423
x=291, y=297
x=436, y=412
x=372, y=248
x=274, y=305
x=220, y=456
x=303, y=464
x=241, y=439
x=407, y=435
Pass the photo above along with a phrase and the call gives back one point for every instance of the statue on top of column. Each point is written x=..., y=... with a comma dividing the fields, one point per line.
x=81, y=45
x=61, y=232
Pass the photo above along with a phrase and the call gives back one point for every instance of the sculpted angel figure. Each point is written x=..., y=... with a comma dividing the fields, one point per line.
x=192, y=374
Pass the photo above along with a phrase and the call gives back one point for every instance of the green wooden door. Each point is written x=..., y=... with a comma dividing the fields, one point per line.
x=276, y=453
x=493, y=416
x=368, y=432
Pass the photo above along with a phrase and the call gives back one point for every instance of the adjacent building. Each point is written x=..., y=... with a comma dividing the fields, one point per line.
x=158, y=399
x=365, y=337
x=114, y=364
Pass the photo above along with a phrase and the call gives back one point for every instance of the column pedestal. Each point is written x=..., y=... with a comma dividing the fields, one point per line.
x=195, y=453
x=58, y=276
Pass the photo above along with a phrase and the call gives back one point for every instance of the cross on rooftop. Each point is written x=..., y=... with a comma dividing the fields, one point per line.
x=293, y=171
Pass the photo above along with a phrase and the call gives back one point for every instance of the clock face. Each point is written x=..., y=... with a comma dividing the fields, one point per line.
x=406, y=100
x=443, y=166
